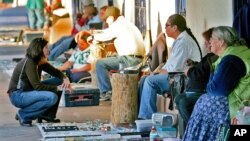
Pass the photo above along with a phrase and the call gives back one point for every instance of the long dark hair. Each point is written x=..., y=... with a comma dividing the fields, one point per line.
x=35, y=49
x=181, y=24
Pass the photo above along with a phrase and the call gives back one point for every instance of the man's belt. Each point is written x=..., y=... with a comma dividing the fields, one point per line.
x=137, y=56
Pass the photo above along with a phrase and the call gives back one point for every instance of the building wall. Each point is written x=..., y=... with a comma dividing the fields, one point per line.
x=203, y=14
x=162, y=9
x=200, y=15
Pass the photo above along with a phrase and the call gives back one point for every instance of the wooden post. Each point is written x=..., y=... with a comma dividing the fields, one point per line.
x=124, y=108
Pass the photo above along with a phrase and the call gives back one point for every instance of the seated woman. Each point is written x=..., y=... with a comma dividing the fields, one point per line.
x=34, y=98
x=198, y=76
x=77, y=66
x=227, y=81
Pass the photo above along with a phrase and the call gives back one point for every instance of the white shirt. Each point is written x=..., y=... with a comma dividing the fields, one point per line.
x=183, y=48
x=79, y=58
x=129, y=40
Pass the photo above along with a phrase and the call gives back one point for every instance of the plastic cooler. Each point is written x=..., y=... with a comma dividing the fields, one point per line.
x=83, y=95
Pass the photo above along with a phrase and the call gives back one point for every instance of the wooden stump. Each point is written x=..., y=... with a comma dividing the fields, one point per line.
x=124, y=108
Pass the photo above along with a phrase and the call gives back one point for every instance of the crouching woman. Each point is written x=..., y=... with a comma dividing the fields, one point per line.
x=36, y=99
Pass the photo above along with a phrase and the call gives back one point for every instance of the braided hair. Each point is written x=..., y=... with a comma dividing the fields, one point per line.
x=180, y=22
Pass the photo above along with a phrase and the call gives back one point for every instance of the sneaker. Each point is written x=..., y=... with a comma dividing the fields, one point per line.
x=102, y=96
x=109, y=95
x=105, y=96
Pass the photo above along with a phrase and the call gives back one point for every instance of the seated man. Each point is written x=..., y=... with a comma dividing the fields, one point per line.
x=60, y=46
x=88, y=17
x=79, y=61
x=184, y=47
x=129, y=45
x=68, y=42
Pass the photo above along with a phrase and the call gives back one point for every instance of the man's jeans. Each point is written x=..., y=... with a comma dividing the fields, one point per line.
x=103, y=66
x=36, y=18
x=141, y=84
x=152, y=85
x=62, y=45
x=76, y=77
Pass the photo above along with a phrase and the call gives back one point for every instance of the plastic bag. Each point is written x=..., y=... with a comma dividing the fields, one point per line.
x=243, y=116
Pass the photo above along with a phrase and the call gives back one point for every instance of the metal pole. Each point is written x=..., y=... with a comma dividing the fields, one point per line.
x=149, y=22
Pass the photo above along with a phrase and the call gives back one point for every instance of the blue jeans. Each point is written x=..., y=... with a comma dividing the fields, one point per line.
x=103, y=66
x=185, y=104
x=62, y=45
x=35, y=103
x=32, y=104
x=36, y=18
x=149, y=87
x=52, y=81
x=141, y=84
x=75, y=77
